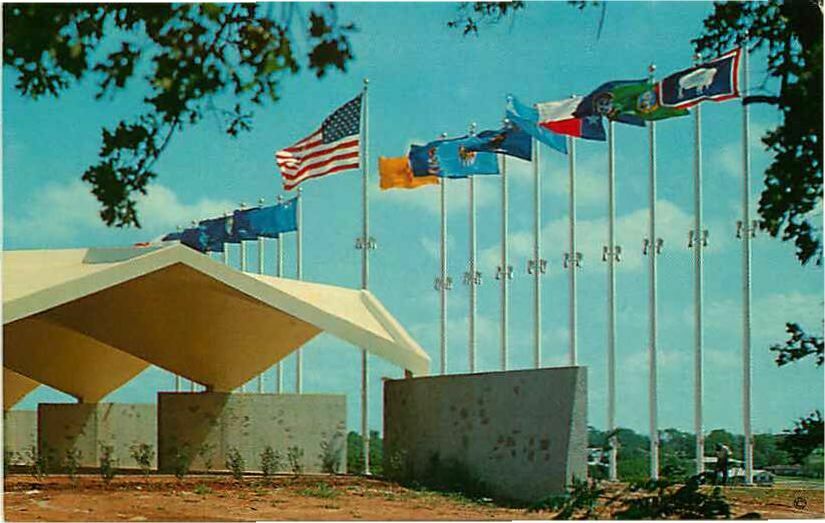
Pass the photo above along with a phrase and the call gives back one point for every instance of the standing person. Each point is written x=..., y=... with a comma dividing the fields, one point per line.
x=722, y=455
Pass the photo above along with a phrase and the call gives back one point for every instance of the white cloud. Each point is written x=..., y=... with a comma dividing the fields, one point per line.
x=66, y=212
x=769, y=314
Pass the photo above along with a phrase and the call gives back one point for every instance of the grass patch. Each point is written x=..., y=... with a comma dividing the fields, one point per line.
x=321, y=490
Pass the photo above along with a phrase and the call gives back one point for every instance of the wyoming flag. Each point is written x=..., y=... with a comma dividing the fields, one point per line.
x=396, y=173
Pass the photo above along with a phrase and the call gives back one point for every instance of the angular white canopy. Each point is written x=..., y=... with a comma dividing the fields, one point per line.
x=86, y=321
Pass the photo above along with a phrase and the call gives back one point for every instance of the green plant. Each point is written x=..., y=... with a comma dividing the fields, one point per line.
x=71, y=462
x=202, y=489
x=320, y=490
x=295, y=456
x=270, y=462
x=330, y=455
x=39, y=462
x=182, y=459
x=143, y=454
x=9, y=459
x=663, y=499
x=235, y=463
x=399, y=467
x=107, y=463
x=452, y=475
x=584, y=496
x=206, y=452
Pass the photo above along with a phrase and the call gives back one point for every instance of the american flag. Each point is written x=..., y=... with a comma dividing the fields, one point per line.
x=334, y=147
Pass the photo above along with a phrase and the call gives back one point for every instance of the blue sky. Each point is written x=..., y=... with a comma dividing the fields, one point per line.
x=425, y=80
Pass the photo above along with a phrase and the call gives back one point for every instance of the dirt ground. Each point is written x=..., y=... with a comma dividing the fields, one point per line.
x=221, y=498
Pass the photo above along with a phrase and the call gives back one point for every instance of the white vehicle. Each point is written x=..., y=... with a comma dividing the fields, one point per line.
x=699, y=79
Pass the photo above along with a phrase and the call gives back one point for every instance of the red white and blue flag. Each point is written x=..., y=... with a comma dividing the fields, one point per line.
x=559, y=118
x=334, y=147
x=716, y=80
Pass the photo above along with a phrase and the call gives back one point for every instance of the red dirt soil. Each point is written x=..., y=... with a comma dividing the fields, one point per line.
x=221, y=498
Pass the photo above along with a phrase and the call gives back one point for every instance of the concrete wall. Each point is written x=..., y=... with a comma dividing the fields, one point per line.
x=19, y=435
x=205, y=426
x=87, y=426
x=522, y=433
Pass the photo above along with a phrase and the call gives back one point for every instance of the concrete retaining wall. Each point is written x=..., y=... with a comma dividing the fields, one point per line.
x=522, y=433
x=88, y=426
x=202, y=428
x=19, y=435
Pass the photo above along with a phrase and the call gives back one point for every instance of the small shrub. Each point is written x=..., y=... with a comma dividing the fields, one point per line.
x=295, y=457
x=206, y=453
x=665, y=500
x=584, y=496
x=330, y=455
x=453, y=476
x=143, y=454
x=235, y=463
x=71, y=462
x=182, y=459
x=9, y=459
x=202, y=489
x=270, y=462
x=399, y=467
x=107, y=463
x=38, y=462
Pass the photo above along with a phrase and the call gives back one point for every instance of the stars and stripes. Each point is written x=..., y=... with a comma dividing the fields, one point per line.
x=334, y=147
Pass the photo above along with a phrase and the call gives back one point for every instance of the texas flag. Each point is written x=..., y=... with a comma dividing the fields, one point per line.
x=558, y=117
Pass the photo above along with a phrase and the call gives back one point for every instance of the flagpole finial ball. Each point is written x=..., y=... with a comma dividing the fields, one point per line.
x=366, y=82
x=443, y=135
x=651, y=68
x=261, y=201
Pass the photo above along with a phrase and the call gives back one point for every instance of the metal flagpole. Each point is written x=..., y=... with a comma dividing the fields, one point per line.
x=443, y=283
x=260, y=271
x=536, y=266
x=652, y=247
x=298, y=276
x=242, y=254
x=611, y=254
x=177, y=383
x=279, y=272
x=472, y=277
x=365, y=243
x=572, y=260
x=504, y=272
x=748, y=229
x=697, y=240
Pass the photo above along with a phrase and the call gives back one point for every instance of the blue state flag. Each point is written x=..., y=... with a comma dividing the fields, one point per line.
x=510, y=140
x=195, y=238
x=286, y=216
x=527, y=118
x=716, y=80
x=452, y=158
x=218, y=231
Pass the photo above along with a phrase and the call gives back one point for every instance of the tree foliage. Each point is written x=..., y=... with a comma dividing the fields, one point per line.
x=187, y=58
x=791, y=32
x=799, y=345
x=470, y=14
x=806, y=436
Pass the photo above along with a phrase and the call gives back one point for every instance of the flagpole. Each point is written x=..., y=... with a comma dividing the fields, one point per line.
x=472, y=277
x=367, y=243
x=242, y=254
x=279, y=272
x=299, y=386
x=698, y=241
x=260, y=271
x=572, y=261
x=611, y=256
x=505, y=271
x=536, y=266
x=443, y=282
x=652, y=249
x=749, y=230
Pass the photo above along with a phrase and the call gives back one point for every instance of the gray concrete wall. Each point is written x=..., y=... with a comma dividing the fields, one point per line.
x=19, y=435
x=205, y=426
x=522, y=433
x=87, y=426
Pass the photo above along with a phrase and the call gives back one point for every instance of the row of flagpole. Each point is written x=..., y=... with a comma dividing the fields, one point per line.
x=652, y=247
